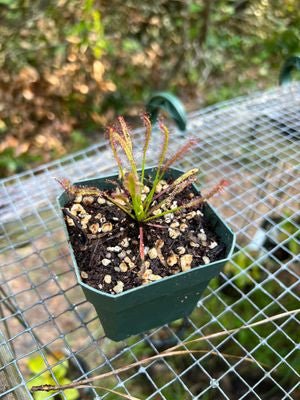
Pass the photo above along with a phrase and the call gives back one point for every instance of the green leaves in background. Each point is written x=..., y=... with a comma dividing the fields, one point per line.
x=37, y=365
x=74, y=65
x=238, y=268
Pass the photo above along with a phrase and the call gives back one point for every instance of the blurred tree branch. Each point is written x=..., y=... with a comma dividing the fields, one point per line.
x=67, y=67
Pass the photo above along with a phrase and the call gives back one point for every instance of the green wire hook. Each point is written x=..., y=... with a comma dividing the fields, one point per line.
x=169, y=103
x=291, y=64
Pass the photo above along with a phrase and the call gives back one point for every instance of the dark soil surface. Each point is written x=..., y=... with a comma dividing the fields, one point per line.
x=106, y=243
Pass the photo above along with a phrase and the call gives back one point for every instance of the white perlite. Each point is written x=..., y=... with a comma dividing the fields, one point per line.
x=84, y=275
x=168, y=218
x=174, y=224
x=101, y=201
x=202, y=236
x=172, y=260
x=70, y=222
x=183, y=227
x=213, y=245
x=119, y=287
x=186, y=262
x=157, y=212
x=148, y=276
x=125, y=242
x=88, y=200
x=105, y=262
x=180, y=250
x=174, y=233
x=107, y=279
x=206, y=260
x=94, y=228
x=158, y=188
x=77, y=209
x=123, y=267
x=85, y=220
x=116, y=249
x=129, y=262
x=154, y=277
x=122, y=254
x=191, y=215
x=78, y=199
x=152, y=253
x=107, y=227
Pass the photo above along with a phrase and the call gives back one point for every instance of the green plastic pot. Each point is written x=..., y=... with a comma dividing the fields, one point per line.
x=160, y=302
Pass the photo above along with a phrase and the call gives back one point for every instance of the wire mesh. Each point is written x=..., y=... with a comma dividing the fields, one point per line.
x=251, y=141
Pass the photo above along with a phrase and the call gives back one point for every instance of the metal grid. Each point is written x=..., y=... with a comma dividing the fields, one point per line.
x=254, y=143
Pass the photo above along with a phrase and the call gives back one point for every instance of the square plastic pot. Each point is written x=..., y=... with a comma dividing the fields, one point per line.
x=140, y=309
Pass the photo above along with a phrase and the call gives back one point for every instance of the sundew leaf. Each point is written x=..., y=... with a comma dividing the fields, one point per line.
x=148, y=132
x=161, y=160
x=179, y=153
x=181, y=183
x=116, y=138
x=113, y=146
x=133, y=186
x=125, y=132
x=164, y=148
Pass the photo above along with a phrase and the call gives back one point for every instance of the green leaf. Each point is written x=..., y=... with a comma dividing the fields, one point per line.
x=194, y=8
x=3, y=126
x=7, y=2
x=242, y=280
x=71, y=394
x=131, y=45
x=42, y=395
x=61, y=370
x=79, y=141
x=294, y=246
x=36, y=364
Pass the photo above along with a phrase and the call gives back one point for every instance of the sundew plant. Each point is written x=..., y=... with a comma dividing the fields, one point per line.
x=144, y=203
x=133, y=200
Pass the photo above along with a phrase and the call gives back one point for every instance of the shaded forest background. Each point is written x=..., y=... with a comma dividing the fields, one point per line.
x=68, y=67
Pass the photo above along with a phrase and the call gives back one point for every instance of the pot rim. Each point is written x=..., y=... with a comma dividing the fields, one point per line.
x=151, y=284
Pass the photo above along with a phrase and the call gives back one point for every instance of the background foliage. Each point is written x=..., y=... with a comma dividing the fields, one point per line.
x=67, y=67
